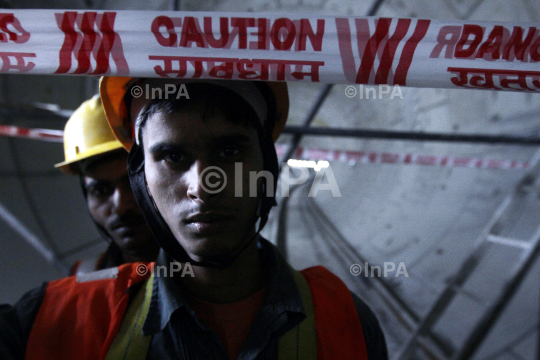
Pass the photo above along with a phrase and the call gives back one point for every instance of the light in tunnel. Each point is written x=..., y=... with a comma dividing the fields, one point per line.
x=316, y=165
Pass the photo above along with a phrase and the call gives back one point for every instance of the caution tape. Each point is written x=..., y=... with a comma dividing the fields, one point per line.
x=369, y=157
x=36, y=134
x=273, y=47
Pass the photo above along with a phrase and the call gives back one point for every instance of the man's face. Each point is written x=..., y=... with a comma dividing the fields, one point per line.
x=178, y=148
x=112, y=205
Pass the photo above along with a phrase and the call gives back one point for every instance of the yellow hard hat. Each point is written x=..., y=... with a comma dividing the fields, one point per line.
x=86, y=134
x=114, y=89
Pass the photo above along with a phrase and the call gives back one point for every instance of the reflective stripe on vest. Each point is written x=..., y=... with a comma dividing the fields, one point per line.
x=130, y=342
x=301, y=341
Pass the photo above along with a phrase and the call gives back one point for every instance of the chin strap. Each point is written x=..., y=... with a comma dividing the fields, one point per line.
x=159, y=227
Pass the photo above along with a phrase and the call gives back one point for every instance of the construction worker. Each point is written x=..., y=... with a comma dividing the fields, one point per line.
x=93, y=153
x=217, y=290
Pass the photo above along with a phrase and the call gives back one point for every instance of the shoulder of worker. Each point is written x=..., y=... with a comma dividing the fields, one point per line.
x=59, y=301
x=94, y=286
x=321, y=277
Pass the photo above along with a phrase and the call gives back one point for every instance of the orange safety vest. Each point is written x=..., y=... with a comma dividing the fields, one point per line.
x=79, y=320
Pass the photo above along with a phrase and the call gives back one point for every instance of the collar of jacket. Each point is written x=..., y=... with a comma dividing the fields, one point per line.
x=281, y=306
